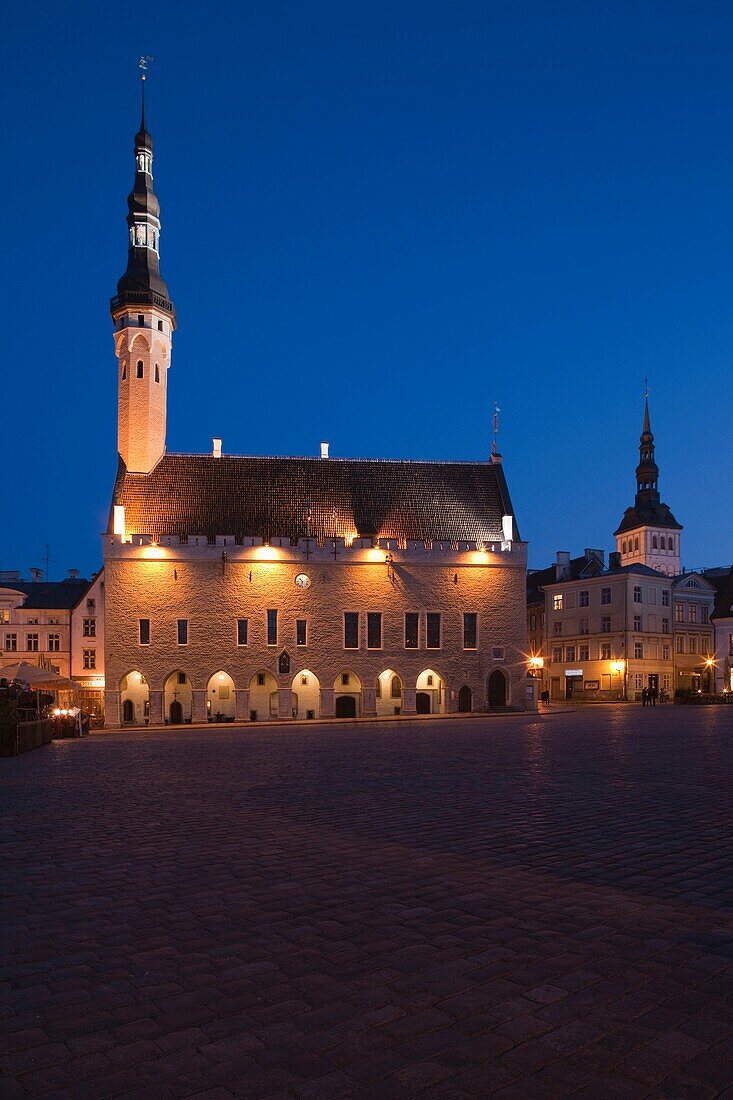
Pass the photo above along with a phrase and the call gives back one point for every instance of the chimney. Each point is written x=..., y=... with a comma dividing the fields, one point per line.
x=73, y=574
x=36, y=574
x=614, y=560
x=562, y=566
x=217, y=448
x=324, y=450
x=507, y=527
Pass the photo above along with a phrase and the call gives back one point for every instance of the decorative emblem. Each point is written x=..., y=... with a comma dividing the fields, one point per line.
x=302, y=581
x=283, y=663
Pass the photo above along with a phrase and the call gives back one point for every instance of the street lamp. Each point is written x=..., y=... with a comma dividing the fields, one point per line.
x=710, y=666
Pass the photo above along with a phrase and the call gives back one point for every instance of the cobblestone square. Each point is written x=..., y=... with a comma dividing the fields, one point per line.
x=524, y=906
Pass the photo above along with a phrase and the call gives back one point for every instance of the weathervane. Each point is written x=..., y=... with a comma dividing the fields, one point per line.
x=495, y=426
x=143, y=65
x=646, y=388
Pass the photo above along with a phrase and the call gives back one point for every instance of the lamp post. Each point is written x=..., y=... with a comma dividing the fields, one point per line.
x=710, y=666
x=618, y=668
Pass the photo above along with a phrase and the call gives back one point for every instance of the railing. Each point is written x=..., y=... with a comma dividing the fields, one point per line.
x=140, y=297
x=25, y=736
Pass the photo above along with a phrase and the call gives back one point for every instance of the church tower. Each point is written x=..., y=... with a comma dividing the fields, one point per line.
x=649, y=534
x=144, y=320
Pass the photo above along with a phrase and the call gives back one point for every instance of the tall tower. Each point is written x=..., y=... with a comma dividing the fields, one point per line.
x=649, y=534
x=144, y=320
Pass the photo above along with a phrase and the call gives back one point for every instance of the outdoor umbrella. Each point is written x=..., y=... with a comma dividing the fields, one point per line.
x=36, y=678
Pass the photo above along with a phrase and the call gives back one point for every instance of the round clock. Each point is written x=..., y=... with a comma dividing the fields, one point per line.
x=303, y=580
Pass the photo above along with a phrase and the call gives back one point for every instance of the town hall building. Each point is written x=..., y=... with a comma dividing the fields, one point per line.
x=250, y=588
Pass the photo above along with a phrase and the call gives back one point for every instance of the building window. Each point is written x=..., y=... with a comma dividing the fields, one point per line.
x=182, y=631
x=605, y=651
x=91, y=604
x=54, y=643
x=557, y=602
x=260, y=679
x=692, y=612
x=533, y=622
x=637, y=622
x=140, y=320
x=395, y=688
x=90, y=658
x=143, y=631
x=665, y=597
x=584, y=598
x=557, y=654
x=351, y=629
x=623, y=547
x=665, y=626
x=605, y=595
x=666, y=653
x=636, y=544
x=11, y=643
x=139, y=368
x=124, y=371
x=639, y=680
x=89, y=628
x=242, y=629
x=32, y=643
x=654, y=543
x=606, y=624
x=705, y=617
x=583, y=627
x=412, y=629
x=666, y=682
x=679, y=613
x=693, y=643
x=301, y=632
x=374, y=629
x=637, y=593
x=157, y=373
x=470, y=620
x=433, y=630
x=497, y=653
x=679, y=643
x=160, y=326
x=583, y=652
x=639, y=650
x=557, y=629
x=272, y=626
x=570, y=653
x=345, y=679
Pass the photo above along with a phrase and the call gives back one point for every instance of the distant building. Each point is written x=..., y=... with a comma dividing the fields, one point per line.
x=722, y=617
x=245, y=588
x=87, y=647
x=35, y=620
x=694, y=599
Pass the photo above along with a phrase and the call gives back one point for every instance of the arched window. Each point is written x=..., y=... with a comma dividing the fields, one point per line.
x=623, y=547
x=157, y=373
x=654, y=543
x=139, y=368
x=124, y=371
x=636, y=543
x=670, y=543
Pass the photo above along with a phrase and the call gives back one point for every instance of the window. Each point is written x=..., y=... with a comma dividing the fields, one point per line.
x=54, y=643
x=637, y=593
x=679, y=613
x=470, y=619
x=90, y=658
x=433, y=629
x=183, y=631
x=557, y=629
x=412, y=627
x=532, y=623
x=637, y=622
x=584, y=598
x=605, y=651
x=260, y=679
x=692, y=612
x=242, y=629
x=557, y=654
x=606, y=624
x=351, y=629
x=140, y=320
x=160, y=326
x=157, y=373
x=557, y=602
x=272, y=626
x=670, y=543
x=693, y=643
x=583, y=652
x=655, y=544
x=583, y=627
x=606, y=595
x=301, y=632
x=497, y=653
x=374, y=629
x=666, y=653
x=91, y=604
x=395, y=688
x=139, y=368
x=89, y=628
x=638, y=650
x=11, y=643
x=344, y=679
x=665, y=597
x=639, y=680
x=636, y=544
x=623, y=547
x=679, y=643
x=124, y=371
x=705, y=617
x=143, y=629
x=666, y=682
x=570, y=653
x=32, y=643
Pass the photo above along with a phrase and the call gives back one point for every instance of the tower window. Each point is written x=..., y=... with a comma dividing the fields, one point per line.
x=654, y=542
x=157, y=373
x=139, y=368
x=141, y=320
x=636, y=544
x=160, y=326
x=124, y=371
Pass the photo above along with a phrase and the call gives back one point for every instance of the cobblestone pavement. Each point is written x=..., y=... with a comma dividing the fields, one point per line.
x=514, y=907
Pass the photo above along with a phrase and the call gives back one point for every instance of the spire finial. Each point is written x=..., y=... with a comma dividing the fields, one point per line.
x=646, y=429
x=495, y=429
x=143, y=67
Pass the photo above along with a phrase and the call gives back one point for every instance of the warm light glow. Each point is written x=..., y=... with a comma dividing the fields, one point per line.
x=221, y=675
x=119, y=520
x=375, y=554
x=267, y=553
x=618, y=666
x=56, y=712
x=154, y=552
x=537, y=662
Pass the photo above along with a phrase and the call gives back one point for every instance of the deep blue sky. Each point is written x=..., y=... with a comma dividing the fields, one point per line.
x=377, y=218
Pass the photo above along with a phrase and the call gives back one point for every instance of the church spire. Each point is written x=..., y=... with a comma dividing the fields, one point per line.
x=647, y=472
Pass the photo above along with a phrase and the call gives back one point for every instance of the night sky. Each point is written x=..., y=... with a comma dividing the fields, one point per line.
x=377, y=219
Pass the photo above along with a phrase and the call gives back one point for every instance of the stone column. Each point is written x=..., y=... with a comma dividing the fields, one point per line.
x=199, y=705
x=327, y=702
x=285, y=702
x=241, y=705
x=409, y=700
x=368, y=702
x=112, y=709
x=156, y=708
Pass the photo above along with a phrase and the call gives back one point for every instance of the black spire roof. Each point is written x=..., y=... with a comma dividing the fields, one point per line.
x=142, y=284
x=648, y=509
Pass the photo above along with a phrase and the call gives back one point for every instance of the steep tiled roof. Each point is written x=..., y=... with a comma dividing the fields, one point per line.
x=650, y=514
x=50, y=595
x=320, y=498
x=537, y=579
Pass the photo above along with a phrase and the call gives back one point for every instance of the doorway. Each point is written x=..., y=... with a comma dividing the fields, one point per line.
x=345, y=706
x=496, y=692
x=465, y=700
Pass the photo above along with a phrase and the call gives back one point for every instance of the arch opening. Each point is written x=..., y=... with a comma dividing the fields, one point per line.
x=263, y=699
x=306, y=698
x=221, y=698
x=347, y=695
x=430, y=693
x=388, y=693
x=134, y=699
x=496, y=689
x=177, y=699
